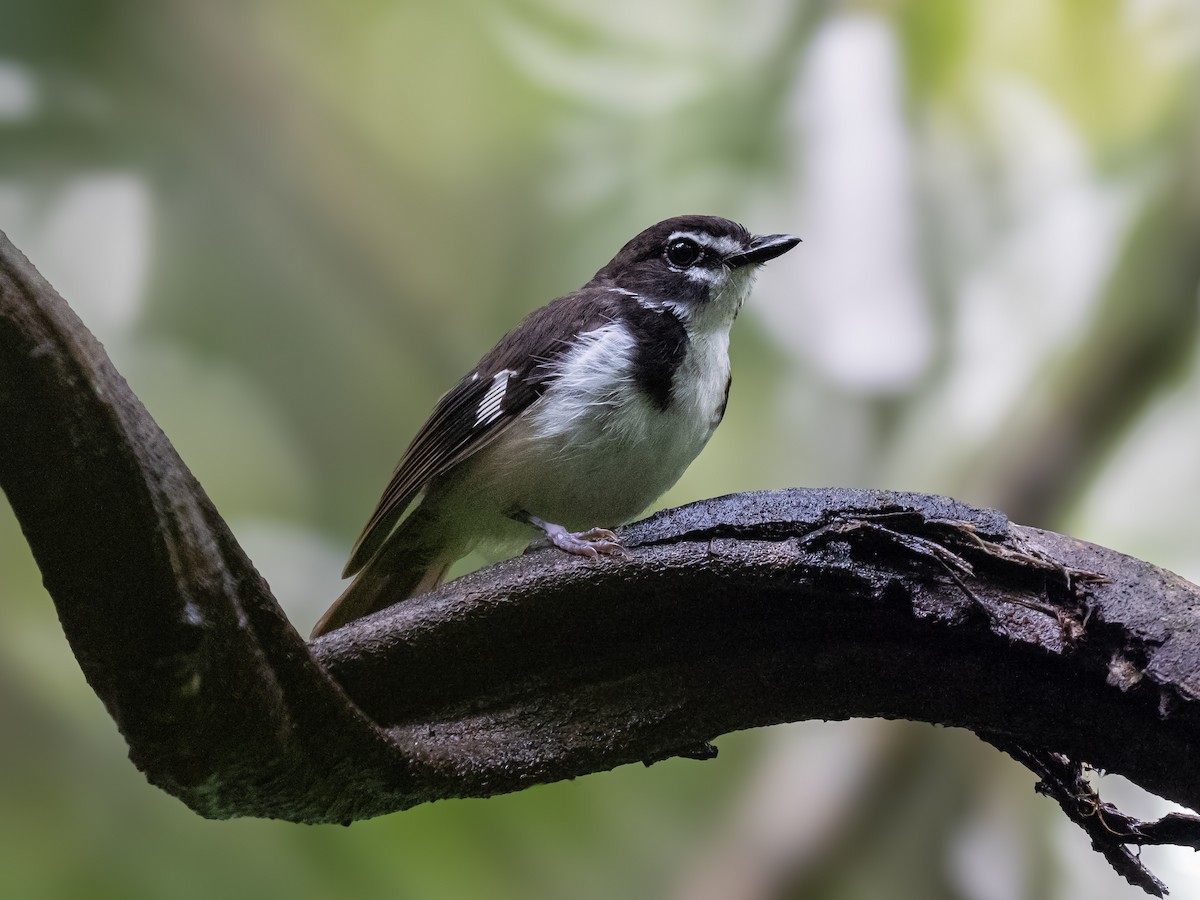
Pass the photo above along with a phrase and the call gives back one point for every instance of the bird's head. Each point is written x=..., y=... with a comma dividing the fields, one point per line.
x=700, y=267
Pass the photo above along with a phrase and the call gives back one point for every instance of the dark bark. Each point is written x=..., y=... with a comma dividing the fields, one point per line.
x=726, y=614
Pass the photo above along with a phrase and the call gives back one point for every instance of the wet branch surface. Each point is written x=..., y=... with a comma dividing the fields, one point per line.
x=741, y=611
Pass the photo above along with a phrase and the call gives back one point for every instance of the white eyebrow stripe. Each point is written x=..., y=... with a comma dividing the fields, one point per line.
x=724, y=245
x=489, y=407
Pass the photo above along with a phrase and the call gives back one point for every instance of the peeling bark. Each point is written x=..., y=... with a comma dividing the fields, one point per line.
x=730, y=613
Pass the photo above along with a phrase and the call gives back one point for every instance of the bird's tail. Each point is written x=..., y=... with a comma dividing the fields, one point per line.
x=403, y=568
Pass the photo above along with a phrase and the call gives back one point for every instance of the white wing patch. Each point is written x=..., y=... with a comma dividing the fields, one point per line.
x=489, y=407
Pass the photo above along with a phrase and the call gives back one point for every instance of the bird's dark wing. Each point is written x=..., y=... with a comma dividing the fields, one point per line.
x=477, y=410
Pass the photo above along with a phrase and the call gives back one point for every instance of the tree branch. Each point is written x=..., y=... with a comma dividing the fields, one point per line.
x=726, y=614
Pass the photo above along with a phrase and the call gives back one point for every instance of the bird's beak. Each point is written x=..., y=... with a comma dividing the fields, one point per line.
x=761, y=249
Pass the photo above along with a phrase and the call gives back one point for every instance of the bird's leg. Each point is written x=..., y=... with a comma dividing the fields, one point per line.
x=590, y=543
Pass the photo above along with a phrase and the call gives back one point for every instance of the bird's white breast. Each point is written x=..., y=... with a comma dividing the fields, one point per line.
x=599, y=450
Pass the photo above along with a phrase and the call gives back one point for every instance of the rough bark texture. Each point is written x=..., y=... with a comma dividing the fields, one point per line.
x=730, y=613
x=772, y=607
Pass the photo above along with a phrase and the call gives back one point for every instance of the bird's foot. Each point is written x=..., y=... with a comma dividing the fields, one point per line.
x=590, y=543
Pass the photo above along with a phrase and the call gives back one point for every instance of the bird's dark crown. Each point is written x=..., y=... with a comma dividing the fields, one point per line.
x=650, y=244
x=686, y=258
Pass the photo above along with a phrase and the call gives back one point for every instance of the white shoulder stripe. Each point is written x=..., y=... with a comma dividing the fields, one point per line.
x=489, y=407
x=681, y=311
x=644, y=303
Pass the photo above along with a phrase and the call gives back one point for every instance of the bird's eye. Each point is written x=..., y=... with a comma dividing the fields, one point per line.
x=683, y=253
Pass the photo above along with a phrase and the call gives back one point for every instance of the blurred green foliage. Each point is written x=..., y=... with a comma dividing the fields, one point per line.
x=294, y=224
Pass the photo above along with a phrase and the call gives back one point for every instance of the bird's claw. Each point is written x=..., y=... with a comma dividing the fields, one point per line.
x=590, y=543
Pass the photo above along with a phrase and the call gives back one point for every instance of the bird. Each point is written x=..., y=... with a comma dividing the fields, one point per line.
x=574, y=423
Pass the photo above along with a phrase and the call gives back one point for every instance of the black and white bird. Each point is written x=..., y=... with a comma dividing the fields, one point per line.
x=579, y=418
